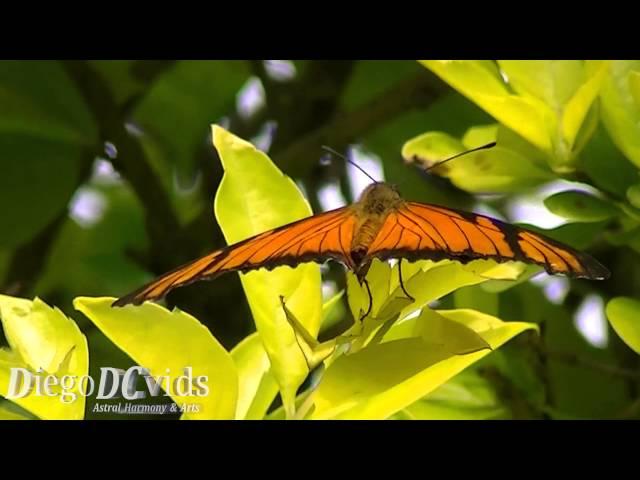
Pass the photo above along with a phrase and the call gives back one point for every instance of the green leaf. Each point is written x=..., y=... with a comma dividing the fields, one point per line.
x=43, y=338
x=607, y=167
x=98, y=254
x=166, y=343
x=39, y=100
x=45, y=129
x=633, y=195
x=6, y=413
x=576, y=388
x=256, y=386
x=477, y=298
x=255, y=196
x=382, y=379
x=29, y=198
x=580, y=206
x=196, y=93
x=371, y=78
x=624, y=315
x=620, y=112
x=481, y=83
x=120, y=78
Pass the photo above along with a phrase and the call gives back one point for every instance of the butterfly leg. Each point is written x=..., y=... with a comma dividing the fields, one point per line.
x=402, y=283
x=366, y=284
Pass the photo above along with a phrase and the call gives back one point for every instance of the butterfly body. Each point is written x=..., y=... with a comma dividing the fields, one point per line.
x=380, y=224
x=371, y=210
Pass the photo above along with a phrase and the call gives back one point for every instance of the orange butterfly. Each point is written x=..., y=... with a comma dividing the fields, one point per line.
x=380, y=225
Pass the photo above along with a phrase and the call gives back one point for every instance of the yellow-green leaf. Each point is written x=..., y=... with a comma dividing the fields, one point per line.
x=166, y=343
x=380, y=380
x=552, y=81
x=467, y=396
x=620, y=112
x=430, y=148
x=495, y=170
x=43, y=340
x=634, y=86
x=576, y=109
x=528, y=116
x=624, y=315
x=256, y=386
x=255, y=196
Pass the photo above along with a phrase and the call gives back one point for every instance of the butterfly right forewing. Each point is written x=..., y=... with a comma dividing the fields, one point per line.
x=422, y=231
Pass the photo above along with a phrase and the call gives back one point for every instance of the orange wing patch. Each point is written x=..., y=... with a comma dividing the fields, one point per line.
x=318, y=238
x=420, y=231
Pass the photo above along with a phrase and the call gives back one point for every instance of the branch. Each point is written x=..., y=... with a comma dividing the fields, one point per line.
x=418, y=91
x=162, y=224
x=575, y=360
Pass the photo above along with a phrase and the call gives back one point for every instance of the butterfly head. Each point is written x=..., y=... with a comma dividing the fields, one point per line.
x=379, y=197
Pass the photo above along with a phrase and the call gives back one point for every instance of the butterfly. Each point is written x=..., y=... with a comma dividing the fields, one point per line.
x=382, y=225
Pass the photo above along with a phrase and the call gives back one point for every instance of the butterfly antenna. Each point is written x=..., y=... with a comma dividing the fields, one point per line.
x=483, y=147
x=331, y=150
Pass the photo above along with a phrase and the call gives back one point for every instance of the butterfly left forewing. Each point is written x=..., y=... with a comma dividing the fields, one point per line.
x=313, y=239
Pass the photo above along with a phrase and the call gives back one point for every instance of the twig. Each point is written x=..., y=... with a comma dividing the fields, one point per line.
x=575, y=360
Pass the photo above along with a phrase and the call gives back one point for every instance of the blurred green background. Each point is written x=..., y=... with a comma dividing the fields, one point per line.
x=109, y=174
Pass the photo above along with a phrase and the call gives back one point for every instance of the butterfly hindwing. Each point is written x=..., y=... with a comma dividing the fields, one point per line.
x=421, y=231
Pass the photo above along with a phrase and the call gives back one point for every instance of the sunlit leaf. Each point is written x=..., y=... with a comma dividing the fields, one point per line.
x=467, y=396
x=552, y=81
x=495, y=170
x=253, y=197
x=332, y=311
x=382, y=379
x=43, y=342
x=256, y=386
x=482, y=84
x=577, y=107
x=620, y=112
x=167, y=343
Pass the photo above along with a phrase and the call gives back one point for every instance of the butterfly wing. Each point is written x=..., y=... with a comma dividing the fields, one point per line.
x=317, y=238
x=418, y=231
